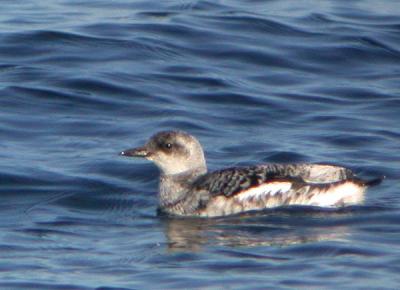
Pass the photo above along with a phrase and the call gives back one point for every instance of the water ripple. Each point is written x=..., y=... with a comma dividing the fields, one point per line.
x=256, y=82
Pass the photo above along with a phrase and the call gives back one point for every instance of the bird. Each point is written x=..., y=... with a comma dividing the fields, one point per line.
x=186, y=188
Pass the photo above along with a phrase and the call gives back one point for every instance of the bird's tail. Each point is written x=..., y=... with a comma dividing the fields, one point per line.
x=374, y=182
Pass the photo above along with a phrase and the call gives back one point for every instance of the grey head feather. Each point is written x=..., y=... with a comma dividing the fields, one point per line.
x=176, y=152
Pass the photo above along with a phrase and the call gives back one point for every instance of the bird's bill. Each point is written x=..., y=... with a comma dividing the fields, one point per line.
x=135, y=152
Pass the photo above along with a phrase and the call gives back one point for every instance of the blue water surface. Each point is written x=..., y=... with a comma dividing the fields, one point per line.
x=255, y=81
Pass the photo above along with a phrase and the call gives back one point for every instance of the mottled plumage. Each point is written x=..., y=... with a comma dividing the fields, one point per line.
x=187, y=189
x=234, y=180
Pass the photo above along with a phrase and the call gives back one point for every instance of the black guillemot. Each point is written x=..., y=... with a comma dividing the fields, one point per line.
x=187, y=189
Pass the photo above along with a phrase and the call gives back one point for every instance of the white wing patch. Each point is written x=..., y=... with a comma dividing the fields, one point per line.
x=347, y=193
x=270, y=188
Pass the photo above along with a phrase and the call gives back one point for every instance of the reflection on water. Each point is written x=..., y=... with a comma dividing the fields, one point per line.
x=268, y=82
x=250, y=230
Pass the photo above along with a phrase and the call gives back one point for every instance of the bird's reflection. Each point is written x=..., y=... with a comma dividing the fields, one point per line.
x=250, y=230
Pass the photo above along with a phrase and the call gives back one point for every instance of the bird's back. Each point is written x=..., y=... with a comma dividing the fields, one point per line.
x=239, y=189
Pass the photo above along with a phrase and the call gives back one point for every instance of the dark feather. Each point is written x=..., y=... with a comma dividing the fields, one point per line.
x=231, y=181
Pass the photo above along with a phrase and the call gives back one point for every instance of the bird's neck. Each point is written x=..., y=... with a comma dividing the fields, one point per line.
x=173, y=188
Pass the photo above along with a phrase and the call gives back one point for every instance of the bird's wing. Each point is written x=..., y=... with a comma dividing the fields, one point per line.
x=269, y=178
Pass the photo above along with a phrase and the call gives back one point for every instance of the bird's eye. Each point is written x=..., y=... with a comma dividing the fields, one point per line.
x=168, y=145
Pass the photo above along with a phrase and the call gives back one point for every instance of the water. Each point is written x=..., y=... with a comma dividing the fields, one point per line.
x=255, y=81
